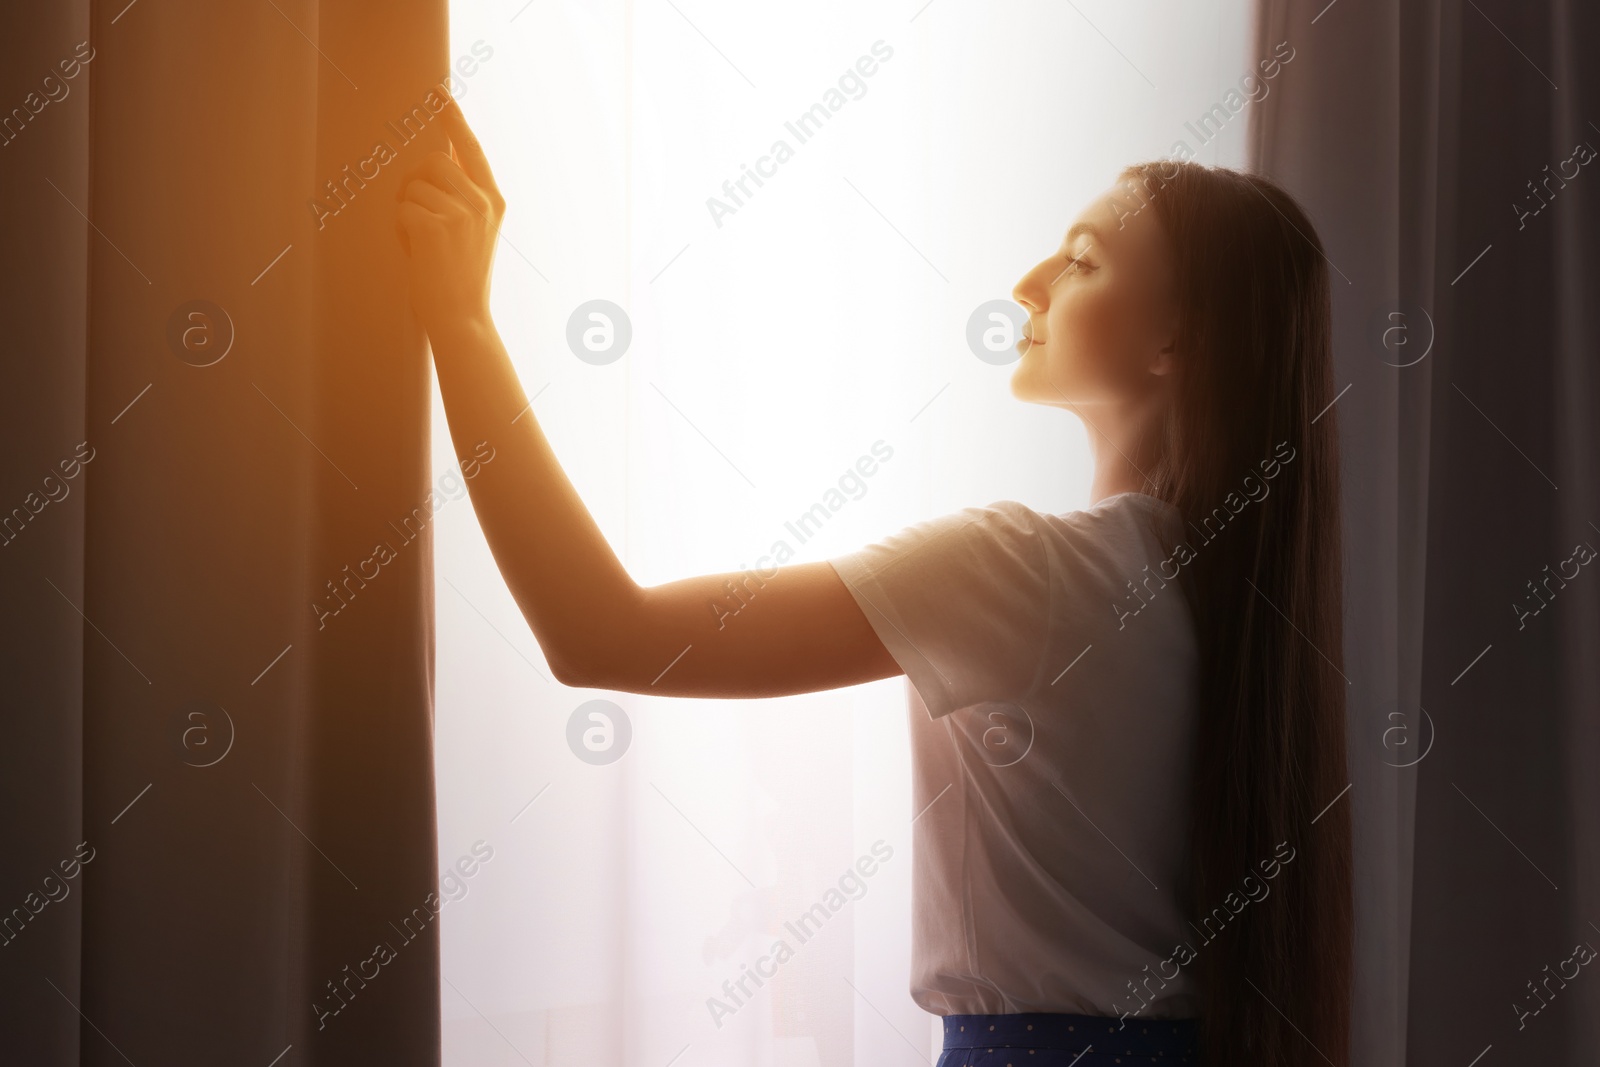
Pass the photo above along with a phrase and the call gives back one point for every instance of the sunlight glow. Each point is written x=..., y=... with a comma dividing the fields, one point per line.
x=773, y=346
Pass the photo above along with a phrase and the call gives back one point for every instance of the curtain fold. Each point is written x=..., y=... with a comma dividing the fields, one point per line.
x=1422, y=137
x=213, y=304
x=41, y=532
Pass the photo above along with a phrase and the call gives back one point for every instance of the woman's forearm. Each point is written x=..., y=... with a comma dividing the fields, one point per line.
x=572, y=589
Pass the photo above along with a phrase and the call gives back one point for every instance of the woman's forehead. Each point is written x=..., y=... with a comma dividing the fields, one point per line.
x=1121, y=211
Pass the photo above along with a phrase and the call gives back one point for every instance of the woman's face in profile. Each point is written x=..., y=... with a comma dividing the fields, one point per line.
x=1101, y=310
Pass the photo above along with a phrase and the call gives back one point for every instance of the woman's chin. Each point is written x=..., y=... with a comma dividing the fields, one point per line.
x=1022, y=379
x=1029, y=384
x=1020, y=387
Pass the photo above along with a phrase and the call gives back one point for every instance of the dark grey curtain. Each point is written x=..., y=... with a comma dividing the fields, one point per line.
x=1437, y=145
x=217, y=772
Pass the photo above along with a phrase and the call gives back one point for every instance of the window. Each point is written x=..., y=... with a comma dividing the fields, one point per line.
x=789, y=309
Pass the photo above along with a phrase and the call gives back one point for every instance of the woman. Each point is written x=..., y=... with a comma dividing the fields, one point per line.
x=1127, y=721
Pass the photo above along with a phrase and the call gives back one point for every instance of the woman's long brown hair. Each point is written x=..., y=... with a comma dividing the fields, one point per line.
x=1255, y=385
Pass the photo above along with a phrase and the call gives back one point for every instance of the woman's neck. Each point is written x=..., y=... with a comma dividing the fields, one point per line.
x=1126, y=442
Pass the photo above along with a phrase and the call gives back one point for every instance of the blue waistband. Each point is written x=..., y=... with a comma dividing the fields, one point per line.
x=1169, y=1039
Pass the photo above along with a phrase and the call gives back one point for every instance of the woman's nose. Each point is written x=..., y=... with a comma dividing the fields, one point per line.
x=1029, y=292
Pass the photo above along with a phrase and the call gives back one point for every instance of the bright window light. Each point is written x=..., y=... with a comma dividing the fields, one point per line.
x=780, y=330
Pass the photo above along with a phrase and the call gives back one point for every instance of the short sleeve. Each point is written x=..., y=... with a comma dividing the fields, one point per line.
x=962, y=603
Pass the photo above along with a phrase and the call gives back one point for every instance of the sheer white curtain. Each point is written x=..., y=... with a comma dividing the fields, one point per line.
x=780, y=351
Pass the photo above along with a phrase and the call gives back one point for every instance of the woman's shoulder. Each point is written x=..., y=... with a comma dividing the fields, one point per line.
x=1116, y=512
x=1109, y=536
x=1107, y=530
x=1107, y=542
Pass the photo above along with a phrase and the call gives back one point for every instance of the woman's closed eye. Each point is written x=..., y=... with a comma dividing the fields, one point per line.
x=1076, y=264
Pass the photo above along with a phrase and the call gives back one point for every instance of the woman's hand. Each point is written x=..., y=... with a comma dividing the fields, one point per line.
x=448, y=221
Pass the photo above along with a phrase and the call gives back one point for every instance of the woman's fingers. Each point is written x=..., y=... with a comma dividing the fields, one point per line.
x=448, y=224
x=413, y=219
x=424, y=192
x=445, y=174
x=467, y=149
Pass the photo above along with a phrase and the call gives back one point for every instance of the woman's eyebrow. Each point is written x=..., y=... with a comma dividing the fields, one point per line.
x=1081, y=228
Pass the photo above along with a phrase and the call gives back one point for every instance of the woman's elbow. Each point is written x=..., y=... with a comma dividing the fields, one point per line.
x=577, y=670
x=598, y=651
x=594, y=664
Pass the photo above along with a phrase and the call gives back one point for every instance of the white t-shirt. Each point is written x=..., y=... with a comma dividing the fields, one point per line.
x=1052, y=716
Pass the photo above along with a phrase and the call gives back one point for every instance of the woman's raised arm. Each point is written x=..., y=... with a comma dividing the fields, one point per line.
x=796, y=631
